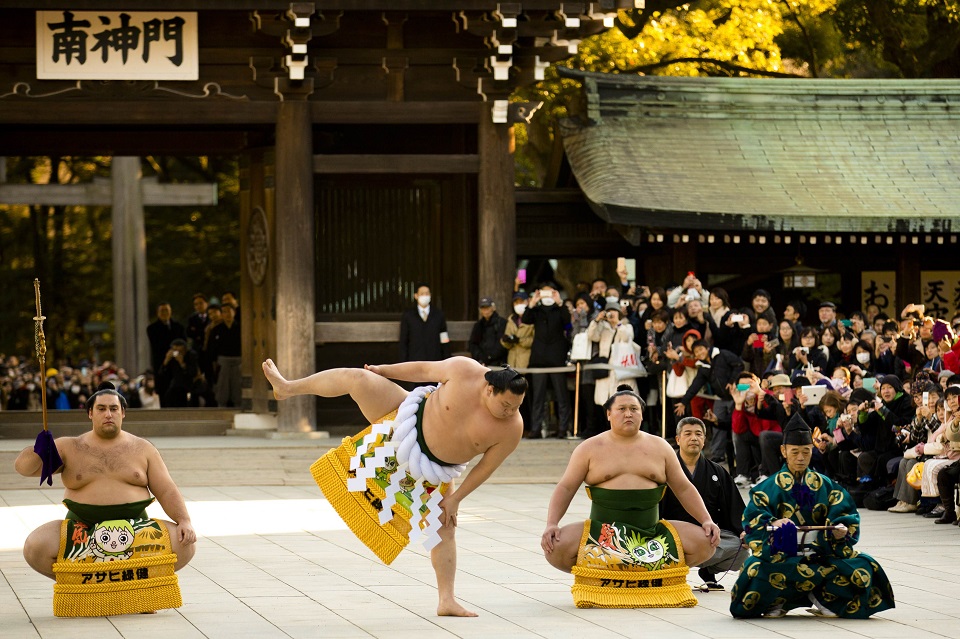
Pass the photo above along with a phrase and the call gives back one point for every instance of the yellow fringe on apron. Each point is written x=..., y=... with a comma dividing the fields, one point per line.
x=412, y=502
x=126, y=586
x=619, y=586
x=357, y=509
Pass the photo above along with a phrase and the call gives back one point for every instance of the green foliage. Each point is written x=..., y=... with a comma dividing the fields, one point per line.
x=903, y=38
x=705, y=37
x=189, y=249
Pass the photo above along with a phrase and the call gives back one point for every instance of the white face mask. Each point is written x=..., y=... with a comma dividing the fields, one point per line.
x=839, y=382
x=863, y=358
x=519, y=308
x=613, y=300
x=547, y=301
x=423, y=300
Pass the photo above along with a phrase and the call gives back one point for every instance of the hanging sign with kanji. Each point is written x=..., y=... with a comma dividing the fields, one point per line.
x=879, y=288
x=117, y=45
x=940, y=293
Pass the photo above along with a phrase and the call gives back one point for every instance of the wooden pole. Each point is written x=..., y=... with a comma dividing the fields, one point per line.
x=663, y=404
x=576, y=400
x=496, y=212
x=296, y=265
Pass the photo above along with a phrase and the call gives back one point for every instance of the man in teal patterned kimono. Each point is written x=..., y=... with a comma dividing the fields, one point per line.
x=824, y=571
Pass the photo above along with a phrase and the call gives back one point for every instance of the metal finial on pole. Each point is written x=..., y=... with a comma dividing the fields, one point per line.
x=40, y=343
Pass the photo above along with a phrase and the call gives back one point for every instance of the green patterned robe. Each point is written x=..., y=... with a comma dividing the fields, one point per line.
x=851, y=584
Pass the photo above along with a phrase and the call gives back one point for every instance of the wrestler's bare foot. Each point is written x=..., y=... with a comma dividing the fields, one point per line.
x=276, y=380
x=453, y=609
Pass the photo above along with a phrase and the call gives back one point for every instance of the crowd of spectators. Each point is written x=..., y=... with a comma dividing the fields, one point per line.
x=194, y=363
x=881, y=393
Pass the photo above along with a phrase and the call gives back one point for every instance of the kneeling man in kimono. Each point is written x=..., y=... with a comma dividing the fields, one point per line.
x=824, y=571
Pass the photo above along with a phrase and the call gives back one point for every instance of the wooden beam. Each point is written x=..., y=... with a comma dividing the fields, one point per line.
x=396, y=113
x=209, y=6
x=99, y=193
x=229, y=112
x=222, y=113
x=19, y=139
x=364, y=332
x=178, y=194
x=384, y=164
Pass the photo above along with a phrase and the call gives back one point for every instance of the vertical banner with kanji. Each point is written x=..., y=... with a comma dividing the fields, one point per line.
x=940, y=293
x=117, y=45
x=880, y=289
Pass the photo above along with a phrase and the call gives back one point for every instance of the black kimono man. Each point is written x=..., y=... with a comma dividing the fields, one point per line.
x=720, y=495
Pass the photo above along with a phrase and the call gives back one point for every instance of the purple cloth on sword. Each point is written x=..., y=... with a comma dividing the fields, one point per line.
x=49, y=456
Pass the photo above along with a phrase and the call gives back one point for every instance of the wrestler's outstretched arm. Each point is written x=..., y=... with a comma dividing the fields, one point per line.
x=573, y=477
x=429, y=371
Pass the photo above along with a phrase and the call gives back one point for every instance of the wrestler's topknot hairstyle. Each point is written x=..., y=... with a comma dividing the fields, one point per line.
x=624, y=389
x=506, y=379
x=105, y=388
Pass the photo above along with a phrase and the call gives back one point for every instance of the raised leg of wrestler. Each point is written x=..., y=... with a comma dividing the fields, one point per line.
x=375, y=395
x=564, y=554
x=444, y=559
x=184, y=552
x=41, y=547
x=696, y=545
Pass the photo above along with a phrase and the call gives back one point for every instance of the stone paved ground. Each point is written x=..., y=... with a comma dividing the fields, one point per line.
x=274, y=560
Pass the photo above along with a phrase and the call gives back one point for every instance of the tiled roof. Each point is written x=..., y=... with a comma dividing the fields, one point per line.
x=780, y=154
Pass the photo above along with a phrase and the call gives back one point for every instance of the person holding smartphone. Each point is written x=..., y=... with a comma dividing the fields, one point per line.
x=180, y=367
x=880, y=421
x=549, y=349
x=760, y=348
x=605, y=330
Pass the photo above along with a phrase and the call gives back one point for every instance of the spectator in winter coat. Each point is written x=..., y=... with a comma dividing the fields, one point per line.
x=485, y=346
x=423, y=331
x=748, y=427
x=879, y=424
x=518, y=337
x=551, y=321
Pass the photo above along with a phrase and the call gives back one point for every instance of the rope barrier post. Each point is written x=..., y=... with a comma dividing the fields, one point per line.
x=663, y=404
x=576, y=401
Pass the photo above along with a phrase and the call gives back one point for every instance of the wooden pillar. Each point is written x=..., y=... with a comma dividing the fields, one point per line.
x=257, y=277
x=131, y=314
x=294, y=256
x=497, y=213
x=683, y=260
x=908, y=278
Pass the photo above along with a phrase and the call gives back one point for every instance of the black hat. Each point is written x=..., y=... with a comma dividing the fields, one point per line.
x=827, y=304
x=800, y=381
x=797, y=432
x=486, y=301
x=860, y=395
x=891, y=380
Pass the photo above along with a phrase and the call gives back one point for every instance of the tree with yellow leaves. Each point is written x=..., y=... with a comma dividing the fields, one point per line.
x=761, y=38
